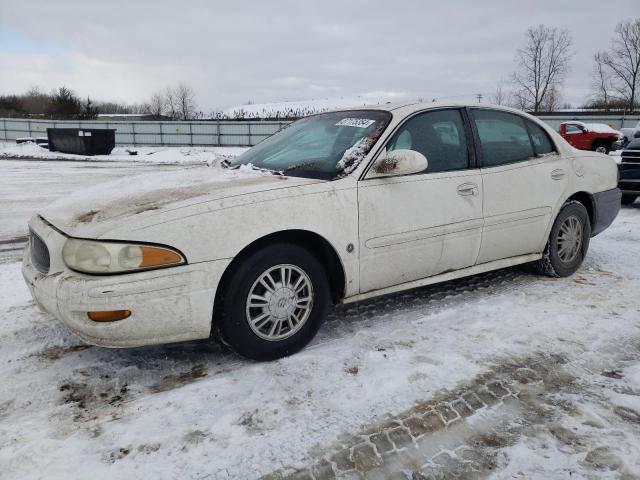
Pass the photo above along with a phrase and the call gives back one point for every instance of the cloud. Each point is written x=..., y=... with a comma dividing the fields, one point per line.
x=231, y=52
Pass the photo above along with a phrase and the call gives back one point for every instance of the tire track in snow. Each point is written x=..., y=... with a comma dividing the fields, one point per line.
x=462, y=433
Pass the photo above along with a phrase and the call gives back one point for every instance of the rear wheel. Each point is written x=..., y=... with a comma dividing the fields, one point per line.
x=274, y=303
x=628, y=199
x=568, y=241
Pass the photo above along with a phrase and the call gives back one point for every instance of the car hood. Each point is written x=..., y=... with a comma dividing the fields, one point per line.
x=145, y=199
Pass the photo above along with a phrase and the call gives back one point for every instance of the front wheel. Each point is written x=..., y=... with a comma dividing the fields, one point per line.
x=602, y=147
x=274, y=303
x=568, y=241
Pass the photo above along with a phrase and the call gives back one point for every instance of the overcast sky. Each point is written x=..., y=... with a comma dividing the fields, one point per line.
x=234, y=51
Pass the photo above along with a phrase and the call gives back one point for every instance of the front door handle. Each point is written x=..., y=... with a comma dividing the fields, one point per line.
x=468, y=189
x=557, y=174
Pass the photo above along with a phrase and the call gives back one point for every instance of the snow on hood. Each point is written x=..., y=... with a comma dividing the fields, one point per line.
x=151, y=193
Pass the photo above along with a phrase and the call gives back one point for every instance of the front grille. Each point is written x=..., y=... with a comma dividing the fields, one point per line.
x=630, y=156
x=39, y=253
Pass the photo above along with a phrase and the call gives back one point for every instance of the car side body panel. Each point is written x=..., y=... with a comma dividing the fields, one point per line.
x=519, y=203
x=416, y=226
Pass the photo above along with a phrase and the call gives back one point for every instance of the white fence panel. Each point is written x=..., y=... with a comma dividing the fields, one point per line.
x=614, y=121
x=220, y=132
x=229, y=133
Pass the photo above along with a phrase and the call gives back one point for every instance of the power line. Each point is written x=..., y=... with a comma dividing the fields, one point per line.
x=435, y=98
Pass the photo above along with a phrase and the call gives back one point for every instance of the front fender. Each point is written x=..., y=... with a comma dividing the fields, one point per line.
x=221, y=230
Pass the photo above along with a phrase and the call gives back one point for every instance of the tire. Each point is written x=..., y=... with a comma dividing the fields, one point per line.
x=274, y=309
x=601, y=147
x=556, y=262
x=628, y=199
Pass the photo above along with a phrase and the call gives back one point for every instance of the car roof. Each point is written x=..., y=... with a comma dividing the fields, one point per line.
x=403, y=110
x=408, y=108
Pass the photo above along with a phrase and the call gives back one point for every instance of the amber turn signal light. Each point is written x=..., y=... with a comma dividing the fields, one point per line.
x=109, y=316
x=152, y=256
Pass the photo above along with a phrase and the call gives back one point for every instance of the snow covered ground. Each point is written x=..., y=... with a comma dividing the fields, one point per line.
x=502, y=375
x=155, y=155
x=308, y=107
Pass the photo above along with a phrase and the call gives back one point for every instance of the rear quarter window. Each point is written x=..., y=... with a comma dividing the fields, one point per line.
x=542, y=143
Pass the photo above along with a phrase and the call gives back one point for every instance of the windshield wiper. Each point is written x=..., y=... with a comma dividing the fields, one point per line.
x=227, y=164
x=300, y=166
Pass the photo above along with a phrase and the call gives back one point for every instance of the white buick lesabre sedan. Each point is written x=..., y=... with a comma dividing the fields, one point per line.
x=338, y=207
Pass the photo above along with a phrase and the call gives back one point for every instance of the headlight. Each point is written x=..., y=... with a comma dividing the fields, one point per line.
x=90, y=256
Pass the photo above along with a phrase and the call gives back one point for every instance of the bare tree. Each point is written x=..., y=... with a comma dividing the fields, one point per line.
x=35, y=101
x=171, y=103
x=185, y=101
x=601, y=82
x=551, y=100
x=156, y=104
x=501, y=95
x=543, y=63
x=520, y=101
x=141, y=108
x=623, y=61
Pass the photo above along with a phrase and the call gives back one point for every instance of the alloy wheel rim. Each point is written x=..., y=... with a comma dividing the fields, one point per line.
x=570, y=239
x=279, y=302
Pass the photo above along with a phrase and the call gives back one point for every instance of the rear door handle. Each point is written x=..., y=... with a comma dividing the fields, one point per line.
x=557, y=174
x=468, y=189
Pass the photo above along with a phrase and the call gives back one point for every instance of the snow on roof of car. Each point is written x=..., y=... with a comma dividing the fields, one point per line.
x=593, y=127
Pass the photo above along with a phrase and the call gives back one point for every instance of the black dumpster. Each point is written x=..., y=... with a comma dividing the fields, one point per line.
x=82, y=141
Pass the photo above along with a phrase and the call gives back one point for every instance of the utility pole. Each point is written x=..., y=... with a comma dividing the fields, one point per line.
x=479, y=96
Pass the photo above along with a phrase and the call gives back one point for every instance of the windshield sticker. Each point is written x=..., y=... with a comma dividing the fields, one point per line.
x=355, y=122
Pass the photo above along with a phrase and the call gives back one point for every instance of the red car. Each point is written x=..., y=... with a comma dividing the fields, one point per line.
x=591, y=136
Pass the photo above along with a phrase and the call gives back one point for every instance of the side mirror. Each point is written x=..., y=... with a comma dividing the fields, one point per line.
x=399, y=162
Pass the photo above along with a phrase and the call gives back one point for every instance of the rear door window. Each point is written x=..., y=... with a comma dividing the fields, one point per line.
x=503, y=137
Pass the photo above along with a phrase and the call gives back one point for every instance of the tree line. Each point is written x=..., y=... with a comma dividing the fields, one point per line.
x=60, y=104
x=173, y=103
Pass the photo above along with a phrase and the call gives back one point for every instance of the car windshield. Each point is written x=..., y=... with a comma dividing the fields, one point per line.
x=327, y=146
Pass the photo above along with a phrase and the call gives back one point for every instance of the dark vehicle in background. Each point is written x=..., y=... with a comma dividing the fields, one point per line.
x=591, y=136
x=629, y=181
x=629, y=134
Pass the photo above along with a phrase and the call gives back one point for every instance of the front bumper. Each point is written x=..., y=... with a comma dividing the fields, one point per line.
x=167, y=305
x=630, y=186
x=606, y=207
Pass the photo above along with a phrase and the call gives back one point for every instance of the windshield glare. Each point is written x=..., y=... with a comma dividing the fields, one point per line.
x=326, y=146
